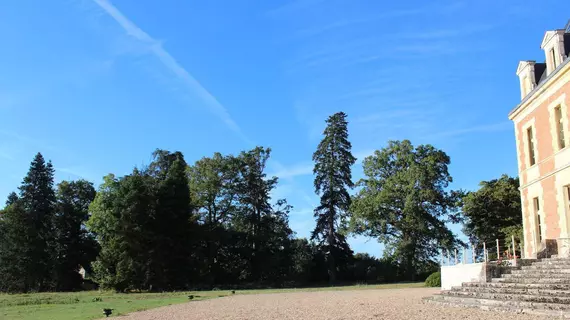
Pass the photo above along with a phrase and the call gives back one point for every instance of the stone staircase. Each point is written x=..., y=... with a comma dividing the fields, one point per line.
x=542, y=288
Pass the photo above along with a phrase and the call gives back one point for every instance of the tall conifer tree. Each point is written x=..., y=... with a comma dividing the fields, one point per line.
x=26, y=254
x=333, y=160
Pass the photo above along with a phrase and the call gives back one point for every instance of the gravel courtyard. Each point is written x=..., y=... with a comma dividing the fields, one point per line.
x=393, y=304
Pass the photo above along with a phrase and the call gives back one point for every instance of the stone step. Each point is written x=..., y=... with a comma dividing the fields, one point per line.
x=552, y=296
x=522, y=286
x=565, y=262
x=545, y=267
x=536, y=275
x=533, y=280
x=535, y=308
x=541, y=271
x=565, y=292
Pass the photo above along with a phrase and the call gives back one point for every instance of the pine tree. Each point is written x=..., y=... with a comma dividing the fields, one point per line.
x=12, y=198
x=75, y=247
x=26, y=255
x=333, y=160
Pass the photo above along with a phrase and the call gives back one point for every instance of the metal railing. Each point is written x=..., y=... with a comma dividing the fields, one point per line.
x=507, y=253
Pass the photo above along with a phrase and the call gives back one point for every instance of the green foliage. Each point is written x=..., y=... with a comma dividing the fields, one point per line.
x=75, y=247
x=27, y=240
x=493, y=212
x=434, y=280
x=143, y=223
x=404, y=203
x=333, y=160
x=170, y=226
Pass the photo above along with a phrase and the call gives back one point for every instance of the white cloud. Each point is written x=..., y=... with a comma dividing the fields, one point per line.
x=156, y=49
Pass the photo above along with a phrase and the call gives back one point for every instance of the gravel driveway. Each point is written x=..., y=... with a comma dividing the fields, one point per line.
x=390, y=304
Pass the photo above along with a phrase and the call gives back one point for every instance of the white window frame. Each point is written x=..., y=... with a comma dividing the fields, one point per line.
x=528, y=147
x=559, y=102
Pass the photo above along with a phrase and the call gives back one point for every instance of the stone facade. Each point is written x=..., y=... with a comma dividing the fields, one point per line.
x=542, y=129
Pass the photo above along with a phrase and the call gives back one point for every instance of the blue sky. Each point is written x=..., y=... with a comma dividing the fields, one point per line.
x=97, y=85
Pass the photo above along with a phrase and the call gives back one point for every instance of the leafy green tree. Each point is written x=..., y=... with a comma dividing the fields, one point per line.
x=75, y=247
x=26, y=254
x=303, y=265
x=105, y=223
x=255, y=212
x=333, y=160
x=493, y=212
x=274, y=254
x=213, y=189
x=171, y=224
x=404, y=202
x=121, y=217
x=212, y=182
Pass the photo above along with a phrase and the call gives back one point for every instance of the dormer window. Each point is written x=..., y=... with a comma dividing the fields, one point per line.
x=527, y=76
x=553, y=46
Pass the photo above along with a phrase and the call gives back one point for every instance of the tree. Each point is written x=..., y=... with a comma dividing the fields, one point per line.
x=16, y=250
x=121, y=219
x=12, y=198
x=493, y=212
x=171, y=224
x=26, y=254
x=253, y=190
x=212, y=182
x=404, y=203
x=213, y=189
x=333, y=160
x=75, y=247
x=143, y=223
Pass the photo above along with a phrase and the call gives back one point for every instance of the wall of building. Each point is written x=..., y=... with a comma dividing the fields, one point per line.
x=454, y=276
x=547, y=178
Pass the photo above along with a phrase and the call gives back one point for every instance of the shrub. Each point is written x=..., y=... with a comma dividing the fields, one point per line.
x=434, y=280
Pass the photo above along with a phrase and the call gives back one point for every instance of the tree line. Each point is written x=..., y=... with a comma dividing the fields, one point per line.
x=171, y=225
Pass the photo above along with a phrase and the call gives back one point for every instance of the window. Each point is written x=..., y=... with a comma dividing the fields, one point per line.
x=536, y=204
x=559, y=122
x=530, y=140
x=553, y=57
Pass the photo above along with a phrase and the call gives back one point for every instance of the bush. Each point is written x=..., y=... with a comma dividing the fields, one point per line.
x=434, y=280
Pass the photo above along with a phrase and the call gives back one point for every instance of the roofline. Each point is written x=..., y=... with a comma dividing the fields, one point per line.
x=532, y=95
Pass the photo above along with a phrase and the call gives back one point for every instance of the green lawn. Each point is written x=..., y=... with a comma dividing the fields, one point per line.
x=85, y=305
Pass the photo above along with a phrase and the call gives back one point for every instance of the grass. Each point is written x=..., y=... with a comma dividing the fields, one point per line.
x=89, y=304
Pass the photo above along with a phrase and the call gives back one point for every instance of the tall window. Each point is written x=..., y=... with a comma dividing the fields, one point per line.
x=530, y=140
x=559, y=127
x=553, y=57
x=536, y=205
